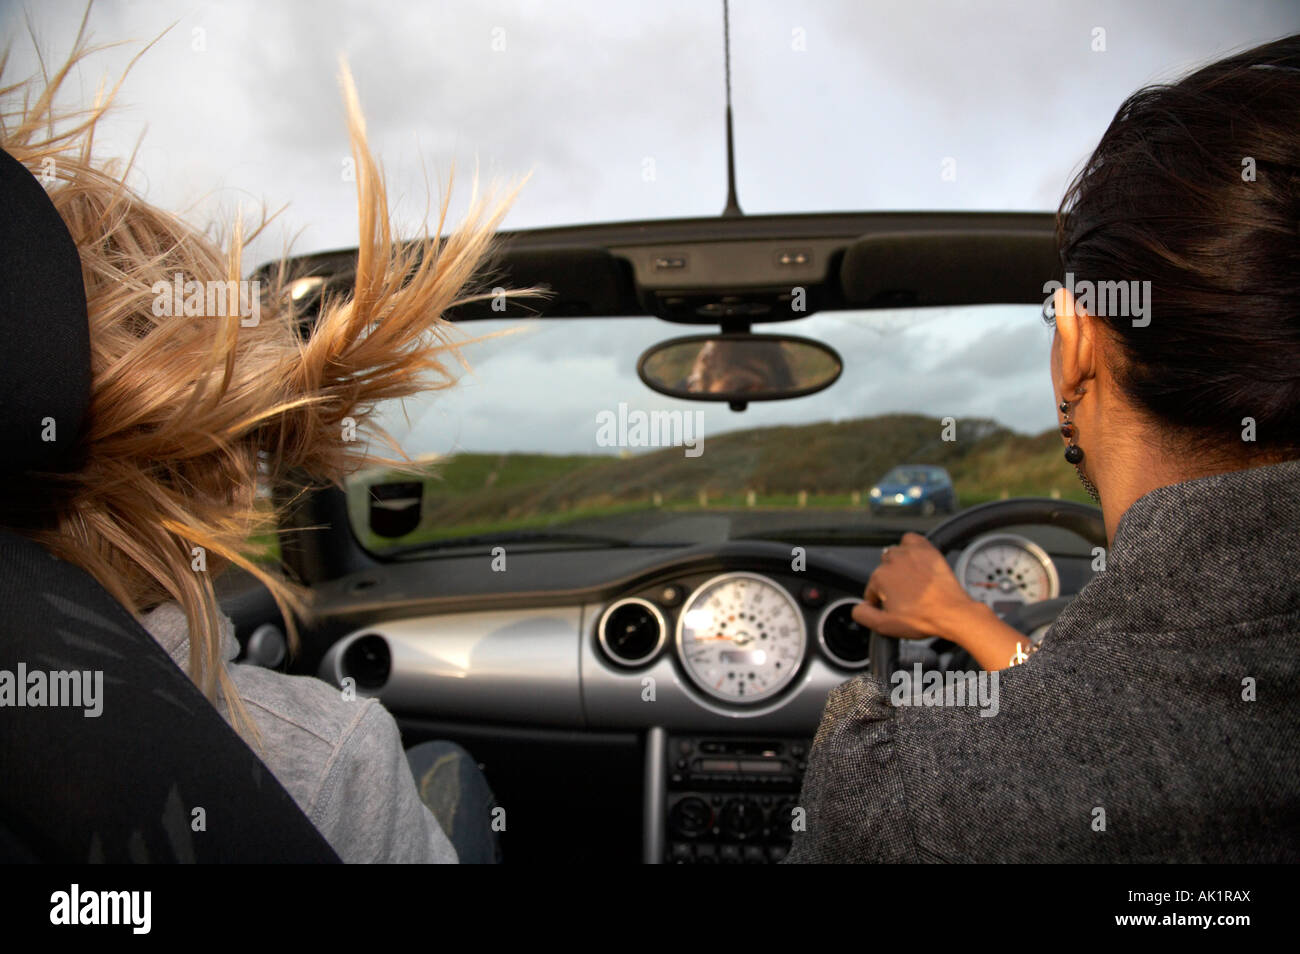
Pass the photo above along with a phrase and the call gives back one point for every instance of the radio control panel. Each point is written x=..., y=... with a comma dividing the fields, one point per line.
x=732, y=800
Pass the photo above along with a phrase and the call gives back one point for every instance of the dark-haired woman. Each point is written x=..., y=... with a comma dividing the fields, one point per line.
x=1160, y=721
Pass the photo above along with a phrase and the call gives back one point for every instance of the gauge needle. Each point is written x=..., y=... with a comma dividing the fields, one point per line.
x=706, y=639
x=987, y=586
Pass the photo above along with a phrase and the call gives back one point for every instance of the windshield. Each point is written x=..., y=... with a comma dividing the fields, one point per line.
x=553, y=437
x=910, y=475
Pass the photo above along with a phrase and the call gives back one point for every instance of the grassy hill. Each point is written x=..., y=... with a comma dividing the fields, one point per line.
x=471, y=493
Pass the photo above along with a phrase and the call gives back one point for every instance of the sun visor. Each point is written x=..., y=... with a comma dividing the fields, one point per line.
x=919, y=269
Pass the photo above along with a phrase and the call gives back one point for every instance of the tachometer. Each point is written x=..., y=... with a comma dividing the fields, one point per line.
x=1005, y=571
x=741, y=637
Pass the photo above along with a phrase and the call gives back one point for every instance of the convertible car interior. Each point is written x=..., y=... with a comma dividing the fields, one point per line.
x=664, y=683
x=604, y=521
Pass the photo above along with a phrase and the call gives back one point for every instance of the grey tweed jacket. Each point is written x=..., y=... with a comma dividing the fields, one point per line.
x=1160, y=722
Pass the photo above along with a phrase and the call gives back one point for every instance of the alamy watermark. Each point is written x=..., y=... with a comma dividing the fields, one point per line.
x=946, y=689
x=1129, y=299
x=56, y=688
x=637, y=428
x=212, y=299
x=75, y=906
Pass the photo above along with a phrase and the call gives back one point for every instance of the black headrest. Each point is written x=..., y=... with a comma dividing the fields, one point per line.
x=44, y=332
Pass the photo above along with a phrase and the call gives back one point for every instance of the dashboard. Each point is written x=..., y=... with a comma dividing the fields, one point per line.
x=719, y=658
x=741, y=639
x=690, y=650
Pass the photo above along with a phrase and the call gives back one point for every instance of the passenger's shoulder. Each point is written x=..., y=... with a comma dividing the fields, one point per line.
x=302, y=704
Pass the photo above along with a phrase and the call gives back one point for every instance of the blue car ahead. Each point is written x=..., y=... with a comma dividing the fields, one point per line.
x=914, y=489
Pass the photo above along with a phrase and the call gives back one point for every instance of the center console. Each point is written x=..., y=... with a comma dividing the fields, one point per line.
x=719, y=799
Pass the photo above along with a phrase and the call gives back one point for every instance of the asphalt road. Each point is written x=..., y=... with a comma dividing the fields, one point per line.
x=659, y=526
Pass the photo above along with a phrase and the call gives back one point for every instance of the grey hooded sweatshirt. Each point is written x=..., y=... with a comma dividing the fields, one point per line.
x=342, y=761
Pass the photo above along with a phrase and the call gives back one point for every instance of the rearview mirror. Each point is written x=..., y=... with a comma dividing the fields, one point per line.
x=739, y=367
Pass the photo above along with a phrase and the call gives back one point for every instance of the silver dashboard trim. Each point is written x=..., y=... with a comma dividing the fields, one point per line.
x=545, y=666
x=495, y=666
x=655, y=790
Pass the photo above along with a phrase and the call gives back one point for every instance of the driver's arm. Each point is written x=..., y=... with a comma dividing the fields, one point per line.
x=977, y=629
x=913, y=594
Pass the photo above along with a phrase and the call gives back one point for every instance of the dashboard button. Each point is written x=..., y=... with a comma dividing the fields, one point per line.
x=691, y=817
x=742, y=818
x=670, y=595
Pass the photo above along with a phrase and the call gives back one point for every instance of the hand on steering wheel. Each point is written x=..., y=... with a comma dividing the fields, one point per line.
x=902, y=616
x=913, y=594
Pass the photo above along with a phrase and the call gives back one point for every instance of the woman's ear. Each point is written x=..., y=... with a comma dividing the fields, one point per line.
x=1074, y=356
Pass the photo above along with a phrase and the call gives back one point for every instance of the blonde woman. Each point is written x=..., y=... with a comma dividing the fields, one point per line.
x=188, y=414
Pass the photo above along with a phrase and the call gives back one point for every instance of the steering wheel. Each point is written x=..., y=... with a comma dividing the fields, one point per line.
x=961, y=529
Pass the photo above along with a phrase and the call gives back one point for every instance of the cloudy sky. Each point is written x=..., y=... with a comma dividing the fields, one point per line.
x=839, y=106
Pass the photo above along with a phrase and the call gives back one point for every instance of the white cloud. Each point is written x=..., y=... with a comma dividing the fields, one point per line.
x=585, y=92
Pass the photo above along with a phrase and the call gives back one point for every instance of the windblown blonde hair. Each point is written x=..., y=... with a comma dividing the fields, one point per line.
x=188, y=414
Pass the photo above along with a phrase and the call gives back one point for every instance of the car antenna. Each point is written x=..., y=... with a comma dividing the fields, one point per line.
x=733, y=206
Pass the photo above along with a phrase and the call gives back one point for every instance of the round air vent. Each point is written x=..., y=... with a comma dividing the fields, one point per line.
x=368, y=660
x=846, y=641
x=631, y=631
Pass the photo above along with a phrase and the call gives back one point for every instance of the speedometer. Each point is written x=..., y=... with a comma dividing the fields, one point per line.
x=741, y=637
x=1005, y=571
